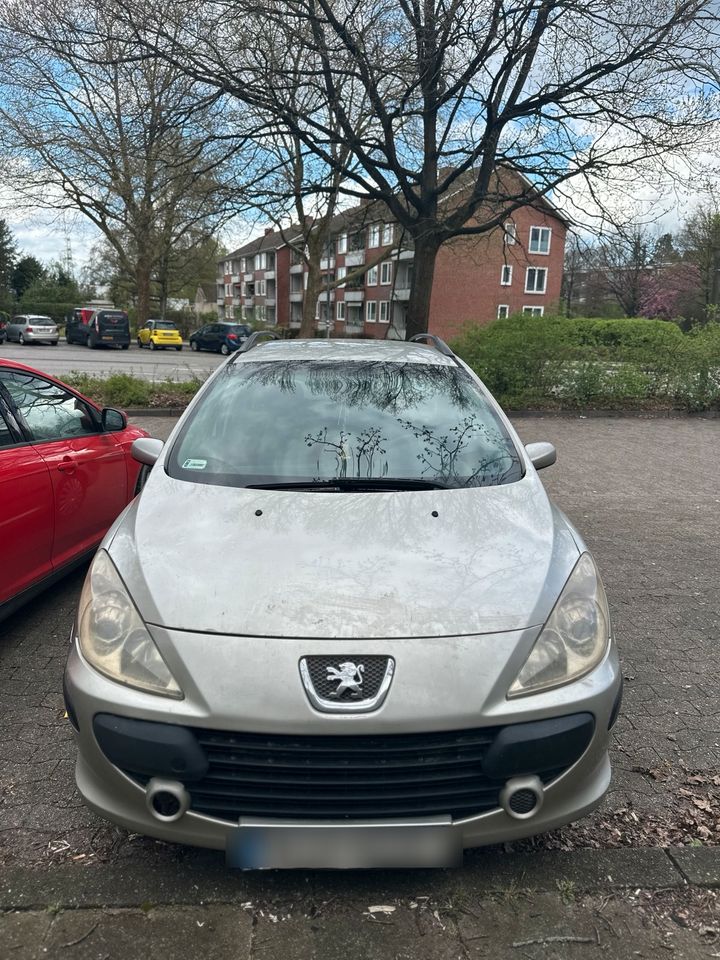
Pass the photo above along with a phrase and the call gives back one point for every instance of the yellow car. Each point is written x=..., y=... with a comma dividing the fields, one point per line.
x=158, y=334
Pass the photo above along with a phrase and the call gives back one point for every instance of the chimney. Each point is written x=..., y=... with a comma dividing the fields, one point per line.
x=268, y=230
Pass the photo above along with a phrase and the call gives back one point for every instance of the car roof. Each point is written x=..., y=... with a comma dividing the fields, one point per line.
x=387, y=351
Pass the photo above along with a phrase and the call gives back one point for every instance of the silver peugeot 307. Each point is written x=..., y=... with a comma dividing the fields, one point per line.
x=343, y=625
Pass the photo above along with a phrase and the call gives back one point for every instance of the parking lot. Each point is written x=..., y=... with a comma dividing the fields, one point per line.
x=642, y=493
x=144, y=363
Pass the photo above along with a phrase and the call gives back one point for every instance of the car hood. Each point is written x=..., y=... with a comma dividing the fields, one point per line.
x=343, y=565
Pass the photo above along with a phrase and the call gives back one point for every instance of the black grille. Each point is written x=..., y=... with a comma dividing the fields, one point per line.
x=523, y=801
x=370, y=671
x=347, y=777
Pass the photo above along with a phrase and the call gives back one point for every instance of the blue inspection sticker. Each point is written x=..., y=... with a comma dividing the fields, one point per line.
x=194, y=464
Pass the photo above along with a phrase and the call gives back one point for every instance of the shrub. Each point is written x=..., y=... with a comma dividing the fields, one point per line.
x=562, y=361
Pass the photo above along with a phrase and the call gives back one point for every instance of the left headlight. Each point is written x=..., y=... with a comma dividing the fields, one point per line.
x=112, y=636
x=575, y=637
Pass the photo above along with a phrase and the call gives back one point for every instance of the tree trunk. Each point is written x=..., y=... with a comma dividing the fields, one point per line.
x=418, y=311
x=142, y=282
x=310, y=299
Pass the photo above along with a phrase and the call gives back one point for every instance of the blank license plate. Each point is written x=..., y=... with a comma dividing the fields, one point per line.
x=268, y=845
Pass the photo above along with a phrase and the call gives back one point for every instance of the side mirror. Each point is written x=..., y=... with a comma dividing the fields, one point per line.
x=541, y=454
x=112, y=419
x=146, y=450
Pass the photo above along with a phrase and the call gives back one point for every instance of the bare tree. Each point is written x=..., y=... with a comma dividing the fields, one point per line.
x=126, y=142
x=476, y=108
x=700, y=243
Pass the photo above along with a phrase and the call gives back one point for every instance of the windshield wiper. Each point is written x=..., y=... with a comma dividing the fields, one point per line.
x=354, y=484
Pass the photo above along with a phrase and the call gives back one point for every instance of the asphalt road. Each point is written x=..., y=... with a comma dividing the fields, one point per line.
x=147, y=364
x=645, y=496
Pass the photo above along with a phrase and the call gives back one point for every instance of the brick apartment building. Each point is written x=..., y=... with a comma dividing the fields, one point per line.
x=513, y=269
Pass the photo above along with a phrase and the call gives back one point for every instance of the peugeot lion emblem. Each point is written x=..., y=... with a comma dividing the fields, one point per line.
x=348, y=683
x=349, y=676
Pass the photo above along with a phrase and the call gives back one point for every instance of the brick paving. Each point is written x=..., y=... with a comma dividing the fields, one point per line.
x=645, y=495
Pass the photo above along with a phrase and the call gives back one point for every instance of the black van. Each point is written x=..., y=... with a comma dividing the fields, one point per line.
x=109, y=328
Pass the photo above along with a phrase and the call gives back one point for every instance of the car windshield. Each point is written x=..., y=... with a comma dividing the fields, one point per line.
x=299, y=422
x=164, y=325
x=239, y=328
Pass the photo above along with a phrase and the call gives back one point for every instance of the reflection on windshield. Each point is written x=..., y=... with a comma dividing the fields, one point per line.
x=300, y=420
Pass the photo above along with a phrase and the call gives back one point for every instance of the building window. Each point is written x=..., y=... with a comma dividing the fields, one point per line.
x=374, y=235
x=386, y=272
x=228, y=266
x=384, y=311
x=228, y=289
x=340, y=310
x=342, y=243
x=503, y=311
x=341, y=272
x=506, y=275
x=533, y=311
x=535, y=280
x=387, y=234
x=540, y=240
x=510, y=232
x=260, y=288
x=371, y=311
x=260, y=313
x=372, y=277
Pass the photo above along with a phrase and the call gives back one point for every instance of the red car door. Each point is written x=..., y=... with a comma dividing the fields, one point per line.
x=26, y=511
x=86, y=467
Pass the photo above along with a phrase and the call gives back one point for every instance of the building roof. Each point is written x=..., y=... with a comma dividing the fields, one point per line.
x=376, y=210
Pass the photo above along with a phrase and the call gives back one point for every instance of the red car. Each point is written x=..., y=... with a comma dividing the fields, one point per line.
x=65, y=474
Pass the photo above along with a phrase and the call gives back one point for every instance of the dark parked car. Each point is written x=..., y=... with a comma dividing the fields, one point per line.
x=109, y=328
x=220, y=337
x=77, y=325
x=4, y=320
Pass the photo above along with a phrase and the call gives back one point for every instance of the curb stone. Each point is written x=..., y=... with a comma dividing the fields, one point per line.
x=201, y=877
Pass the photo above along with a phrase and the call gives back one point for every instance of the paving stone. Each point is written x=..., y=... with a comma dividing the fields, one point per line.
x=700, y=865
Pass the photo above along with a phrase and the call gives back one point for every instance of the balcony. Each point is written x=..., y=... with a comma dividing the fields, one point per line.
x=356, y=258
x=236, y=278
x=323, y=297
x=296, y=297
x=354, y=296
x=406, y=255
x=401, y=293
x=249, y=302
x=269, y=274
x=269, y=301
x=248, y=277
x=297, y=267
x=220, y=299
x=327, y=263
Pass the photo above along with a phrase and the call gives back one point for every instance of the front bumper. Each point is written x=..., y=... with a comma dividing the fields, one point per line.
x=438, y=695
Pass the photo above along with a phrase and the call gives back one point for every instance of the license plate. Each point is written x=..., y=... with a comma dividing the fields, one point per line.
x=269, y=845
x=107, y=338
x=45, y=330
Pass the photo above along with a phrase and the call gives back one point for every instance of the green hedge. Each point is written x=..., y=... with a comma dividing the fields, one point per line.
x=123, y=390
x=562, y=362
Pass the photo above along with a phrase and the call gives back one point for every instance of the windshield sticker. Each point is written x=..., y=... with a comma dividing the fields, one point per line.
x=194, y=464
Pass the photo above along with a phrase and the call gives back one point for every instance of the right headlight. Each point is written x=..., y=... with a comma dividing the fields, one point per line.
x=575, y=637
x=112, y=635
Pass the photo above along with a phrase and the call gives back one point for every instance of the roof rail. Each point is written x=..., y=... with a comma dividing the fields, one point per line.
x=255, y=338
x=439, y=344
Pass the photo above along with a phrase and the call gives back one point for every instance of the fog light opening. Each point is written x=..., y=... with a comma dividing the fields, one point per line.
x=522, y=797
x=167, y=800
